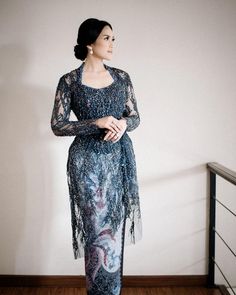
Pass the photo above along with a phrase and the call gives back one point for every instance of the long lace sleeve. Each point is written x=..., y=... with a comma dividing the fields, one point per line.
x=131, y=113
x=60, y=124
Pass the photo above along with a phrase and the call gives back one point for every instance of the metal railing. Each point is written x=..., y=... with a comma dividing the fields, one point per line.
x=229, y=175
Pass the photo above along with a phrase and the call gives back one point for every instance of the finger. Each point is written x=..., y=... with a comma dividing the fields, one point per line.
x=112, y=129
x=119, y=124
x=111, y=136
x=116, y=125
x=120, y=134
x=115, y=138
x=121, y=127
x=108, y=135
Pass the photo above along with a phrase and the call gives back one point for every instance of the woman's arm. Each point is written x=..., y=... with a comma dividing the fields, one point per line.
x=60, y=124
x=131, y=114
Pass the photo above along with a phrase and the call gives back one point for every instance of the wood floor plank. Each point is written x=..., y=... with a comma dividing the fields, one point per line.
x=125, y=291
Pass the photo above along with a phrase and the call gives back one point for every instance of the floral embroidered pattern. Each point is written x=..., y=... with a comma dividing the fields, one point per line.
x=102, y=180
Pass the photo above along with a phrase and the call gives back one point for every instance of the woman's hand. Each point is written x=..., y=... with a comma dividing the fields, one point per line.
x=115, y=136
x=110, y=123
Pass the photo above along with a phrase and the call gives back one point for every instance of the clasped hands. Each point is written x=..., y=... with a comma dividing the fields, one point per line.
x=114, y=128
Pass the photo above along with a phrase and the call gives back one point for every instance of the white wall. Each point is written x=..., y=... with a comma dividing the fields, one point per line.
x=181, y=56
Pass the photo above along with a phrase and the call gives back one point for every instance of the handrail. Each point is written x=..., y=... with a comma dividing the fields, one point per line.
x=224, y=172
x=217, y=169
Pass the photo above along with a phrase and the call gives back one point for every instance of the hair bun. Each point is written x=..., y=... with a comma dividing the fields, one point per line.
x=80, y=51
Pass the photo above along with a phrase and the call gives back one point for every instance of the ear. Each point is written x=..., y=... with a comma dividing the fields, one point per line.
x=89, y=47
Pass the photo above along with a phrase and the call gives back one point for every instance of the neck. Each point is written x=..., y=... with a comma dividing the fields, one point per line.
x=93, y=64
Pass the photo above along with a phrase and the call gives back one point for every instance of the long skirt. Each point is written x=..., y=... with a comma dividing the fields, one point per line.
x=98, y=216
x=104, y=262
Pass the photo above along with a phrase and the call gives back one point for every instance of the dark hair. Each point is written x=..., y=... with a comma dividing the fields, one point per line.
x=88, y=32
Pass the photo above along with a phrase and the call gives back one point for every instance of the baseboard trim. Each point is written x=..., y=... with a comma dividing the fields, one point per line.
x=79, y=281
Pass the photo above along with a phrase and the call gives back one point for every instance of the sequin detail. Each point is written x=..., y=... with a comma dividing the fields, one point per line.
x=98, y=171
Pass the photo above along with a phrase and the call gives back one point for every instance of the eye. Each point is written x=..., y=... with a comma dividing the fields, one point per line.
x=108, y=37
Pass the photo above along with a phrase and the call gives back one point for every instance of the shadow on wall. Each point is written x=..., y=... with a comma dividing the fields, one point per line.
x=152, y=181
x=26, y=168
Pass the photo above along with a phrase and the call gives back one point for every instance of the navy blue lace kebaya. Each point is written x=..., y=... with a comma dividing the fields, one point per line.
x=101, y=175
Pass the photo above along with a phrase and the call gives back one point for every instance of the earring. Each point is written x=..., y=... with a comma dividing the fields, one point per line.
x=91, y=51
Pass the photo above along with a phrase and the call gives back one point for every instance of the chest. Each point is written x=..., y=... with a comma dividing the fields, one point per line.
x=88, y=102
x=97, y=80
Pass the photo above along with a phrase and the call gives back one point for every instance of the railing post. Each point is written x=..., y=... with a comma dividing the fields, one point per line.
x=212, y=217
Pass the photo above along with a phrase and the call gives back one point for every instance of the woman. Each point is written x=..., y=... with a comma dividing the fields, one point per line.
x=101, y=168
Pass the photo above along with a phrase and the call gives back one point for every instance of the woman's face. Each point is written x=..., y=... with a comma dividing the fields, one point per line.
x=103, y=46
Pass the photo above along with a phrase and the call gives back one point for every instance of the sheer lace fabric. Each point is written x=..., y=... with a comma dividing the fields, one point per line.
x=101, y=174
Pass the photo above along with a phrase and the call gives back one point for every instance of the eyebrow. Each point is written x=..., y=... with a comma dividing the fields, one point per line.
x=108, y=35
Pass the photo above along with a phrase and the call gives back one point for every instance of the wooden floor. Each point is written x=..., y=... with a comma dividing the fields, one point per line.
x=126, y=291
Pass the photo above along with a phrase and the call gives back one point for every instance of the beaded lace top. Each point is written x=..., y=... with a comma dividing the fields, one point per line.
x=88, y=104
